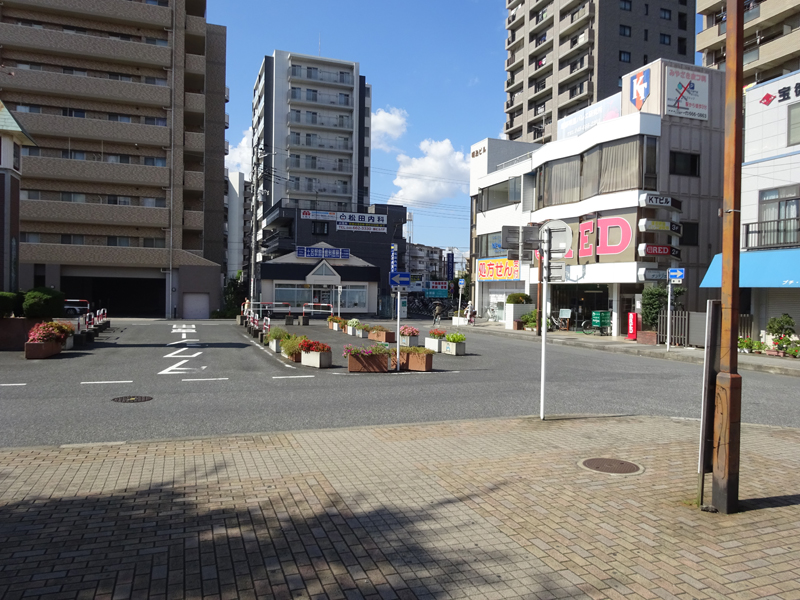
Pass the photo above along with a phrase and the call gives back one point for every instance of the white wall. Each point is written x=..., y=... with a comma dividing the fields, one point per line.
x=236, y=200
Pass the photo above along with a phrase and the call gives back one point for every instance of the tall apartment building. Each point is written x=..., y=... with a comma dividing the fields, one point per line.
x=238, y=195
x=771, y=37
x=425, y=263
x=122, y=201
x=564, y=55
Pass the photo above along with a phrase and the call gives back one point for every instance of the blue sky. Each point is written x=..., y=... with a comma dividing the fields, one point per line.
x=436, y=67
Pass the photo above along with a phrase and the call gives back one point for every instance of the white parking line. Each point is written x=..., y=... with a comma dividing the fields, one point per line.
x=11, y=384
x=294, y=377
x=208, y=379
x=94, y=382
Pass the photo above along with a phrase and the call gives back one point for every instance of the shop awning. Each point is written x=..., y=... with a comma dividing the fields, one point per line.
x=760, y=269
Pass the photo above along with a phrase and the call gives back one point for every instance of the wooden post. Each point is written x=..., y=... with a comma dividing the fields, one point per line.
x=728, y=400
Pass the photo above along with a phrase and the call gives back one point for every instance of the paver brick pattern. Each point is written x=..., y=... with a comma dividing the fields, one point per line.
x=480, y=509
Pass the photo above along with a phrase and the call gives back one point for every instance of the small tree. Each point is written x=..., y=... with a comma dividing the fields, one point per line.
x=43, y=303
x=519, y=298
x=654, y=300
x=779, y=326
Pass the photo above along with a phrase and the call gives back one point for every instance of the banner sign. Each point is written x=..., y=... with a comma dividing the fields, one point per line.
x=393, y=258
x=498, y=269
x=451, y=273
x=675, y=229
x=657, y=250
x=686, y=93
x=318, y=215
x=582, y=120
x=313, y=252
x=361, y=222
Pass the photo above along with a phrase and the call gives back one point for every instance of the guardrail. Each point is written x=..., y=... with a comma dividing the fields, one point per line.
x=312, y=309
x=261, y=307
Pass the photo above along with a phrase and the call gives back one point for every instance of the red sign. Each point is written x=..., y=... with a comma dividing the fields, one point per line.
x=767, y=99
x=632, y=325
x=657, y=250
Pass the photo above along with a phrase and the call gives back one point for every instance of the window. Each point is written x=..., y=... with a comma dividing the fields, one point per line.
x=31, y=151
x=73, y=197
x=119, y=200
x=155, y=81
x=650, y=166
x=153, y=202
x=73, y=154
x=793, y=122
x=78, y=72
x=311, y=117
x=619, y=82
x=691, y=234
x=645, y=34
x=682, y=22
x=156, y=41
x=624, y=31
x=154, y=242
x=114, y=240
x=319, y=228
x=646, y=9
x=666, y=13
x=684, y=163
x=119, y=118
x=155, y=161
x=29, y=66
x=122, y=159
x=625, y=4
x=33, y=24
x=624, y=56
x=30, y=195
x=294, y=115
x=29, y=108
x=119, y=36
x=296, y=93
x=157, y=2
x=160, y=121
x=16, y=157
x=644, y=60
x=71, y=238
x=120, y=77
x=344, y=99
x=311, y=95
x=682, y=46
x=665, y=39
x=74, y=30
x=29, y=238
x=73, y=112
x=312, y=72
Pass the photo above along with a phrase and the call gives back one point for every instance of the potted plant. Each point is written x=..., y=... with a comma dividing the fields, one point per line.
x=362, y=330
x=276, y=334
x=315, y=354
x=529, y=320
x=351, y=326
x=780, y=343
x=331, y=320
x=67, y=330
x=435, y=339
x=44, y=340
x=455, y=344
x=367, y=359
x=409, y=336
x=290, y=347
x=379, y=333
x=413, y=358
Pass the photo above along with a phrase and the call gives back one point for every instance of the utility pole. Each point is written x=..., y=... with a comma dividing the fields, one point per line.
x=728, y=402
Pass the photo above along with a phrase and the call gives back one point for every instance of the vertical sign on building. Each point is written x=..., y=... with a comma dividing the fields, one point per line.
x=394, y=259
x=450, y=266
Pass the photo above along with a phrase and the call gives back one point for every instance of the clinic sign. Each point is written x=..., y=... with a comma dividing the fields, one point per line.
x=686, y=93
x=318, y=215
x=317, y=252
x=498, y=269
x=361, y=222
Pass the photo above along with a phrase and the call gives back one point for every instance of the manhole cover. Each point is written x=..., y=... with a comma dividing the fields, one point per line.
x=611, y=465
x=131, y=399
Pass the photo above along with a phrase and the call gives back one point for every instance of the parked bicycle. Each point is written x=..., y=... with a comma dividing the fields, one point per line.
x=589, y=329
x=491, y=313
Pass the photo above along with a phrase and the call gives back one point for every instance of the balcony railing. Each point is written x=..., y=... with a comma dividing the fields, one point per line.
x=321, y=120
x=319, y=165
x=317, y=98
x=343, y=78
x=320, y=142
x=771, y=234
x=318, y=187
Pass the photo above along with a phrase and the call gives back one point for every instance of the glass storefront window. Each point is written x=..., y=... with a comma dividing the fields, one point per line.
x=354, y=296
x=296, y=295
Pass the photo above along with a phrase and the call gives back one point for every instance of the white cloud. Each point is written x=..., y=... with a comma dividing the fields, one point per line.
x=387, y=125
x=441, y=173
x=240, y=157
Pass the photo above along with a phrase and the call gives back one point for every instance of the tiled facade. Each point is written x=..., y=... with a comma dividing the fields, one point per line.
x=126, y=101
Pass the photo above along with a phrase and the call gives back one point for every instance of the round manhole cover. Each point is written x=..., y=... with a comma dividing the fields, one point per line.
x=613, y=466
x=132, y=399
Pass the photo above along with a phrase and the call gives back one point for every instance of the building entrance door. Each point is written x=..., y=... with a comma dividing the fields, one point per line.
x=324, y=296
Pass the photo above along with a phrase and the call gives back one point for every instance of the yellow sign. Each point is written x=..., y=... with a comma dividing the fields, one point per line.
x=498, y=269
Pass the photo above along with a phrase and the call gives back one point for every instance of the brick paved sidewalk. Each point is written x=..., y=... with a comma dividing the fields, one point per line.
x=483, y=509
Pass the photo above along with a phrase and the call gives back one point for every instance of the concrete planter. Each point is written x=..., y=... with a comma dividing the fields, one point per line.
x=361, y=334
x=38, y=350
x=414, y=362
x=275, y=346
x=649, y=338
x=292, y=357
x=433, y=344
x=351, y=330
x=318, y=360
x=288, y=320
x=514, y=311
x=454, y=348
x=368, y=364
x=412, y=341
x=68, y=343
x=383, y=336
x=337, y=327
x=330, y=324
x=302, y=320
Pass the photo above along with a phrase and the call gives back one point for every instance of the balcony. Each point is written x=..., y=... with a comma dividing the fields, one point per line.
x=194, y=142
x=103, y=10
x=300, y=73
x=195, y=25
x=195, y=64
x=193, y=220
x=576, y=20
x=319, y=99
x=93, y=129
x=514, y=82
x=319, y=187
x=574, y=95
x=194, y=181
x=227, y=94
x=278, y=242
x=542, y=19
x=47, y=211
x=320, y=143
x=772, y=54
x=541, y=89
x=577, y=44
x=514, y=61
x=514, y=40
x=107, y=256
x=541, y=63
x=332, y=122
x=510, y=4
x=576, y=69
x=227, y=121
x=37, y=167
x=784, y=233
x=294, y=164
x=514, y=101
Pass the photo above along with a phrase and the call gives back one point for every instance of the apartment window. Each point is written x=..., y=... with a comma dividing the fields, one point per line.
x=155, y=161
x=74, y=30
x=33, y=24
x=684, y=163
x=153, y=202
x=624, y=56
x=650, y=163
x=646, y=34
x=31, y=151
x=154, y=242
x=30, y=195
x=665, y=39
x=29, y=66
x=311, y=117
x=312, y=73
x=119, y=36
x=120, y=77
x=119, y=200
x=156, y=41
x=344, y=99
x=157, y=2
x=294, y=116
x=319, y=228
x=366, y=169
x=297, y=71
x=73, y=197
x=682, y=46
x=682, y=21
x=73, y=154
x=666, y=13
x=119, y=118
x=793, y=124
x=29, y=238
x=624, y=31
x=344, y=77
x=155, y=81
x=311, y=95
x=122, y=159
x=619, y=82
x=311, y=162
x=114, y=240
x=646, y=9
x=691, y=234
x=160, y=121
x=296, y=93
x=29, y=108
x=16, y=158
x=73, y=112
x=625, y=4
x=294, y=138
x=72, y=239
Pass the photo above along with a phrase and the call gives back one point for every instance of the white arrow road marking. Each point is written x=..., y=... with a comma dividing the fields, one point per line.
x=176, y=369
x=181, y=342
x=177, y=353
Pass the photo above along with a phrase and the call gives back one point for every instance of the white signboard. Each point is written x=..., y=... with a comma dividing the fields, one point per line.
x=361, y=222
x=686, y=93
x=318, y=215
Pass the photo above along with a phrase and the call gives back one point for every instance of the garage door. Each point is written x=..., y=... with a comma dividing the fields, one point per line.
x=195, y=306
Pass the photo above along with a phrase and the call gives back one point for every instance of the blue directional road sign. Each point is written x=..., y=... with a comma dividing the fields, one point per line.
x=462, y=282
x=677, y=273
x=399, y=279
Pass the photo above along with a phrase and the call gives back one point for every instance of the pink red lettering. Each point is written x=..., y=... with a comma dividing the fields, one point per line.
x=482, y=270
x=584, y=247
x=604, y=228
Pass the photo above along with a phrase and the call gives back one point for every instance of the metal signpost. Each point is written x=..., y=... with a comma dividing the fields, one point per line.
x=400, y=283
x=461, y=284
x=339, y=306
x=675, y=277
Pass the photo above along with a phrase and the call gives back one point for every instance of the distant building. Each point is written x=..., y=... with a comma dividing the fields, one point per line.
x=238, y=195
x=564, y=55
x=425, y=263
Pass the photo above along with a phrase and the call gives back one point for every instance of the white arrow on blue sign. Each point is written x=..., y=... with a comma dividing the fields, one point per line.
x=397, y=278
x=677, y=273
x=462, y=282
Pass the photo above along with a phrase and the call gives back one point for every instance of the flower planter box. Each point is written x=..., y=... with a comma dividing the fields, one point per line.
x=518, y=326
x=403, y=362
x=336, y=327
x=361, y=334
x=649, y=338
x=288, y=320
x=433, y=344
x=767, y=352
x=275, y=346
x=383, y=336
x=330, y=324
x=69, y=343
x=414, y=362
x=368, y=364
x=37, y=350
x=412, y=341
x=302, y=320
x=292, y=357
x=454, y=348
x=318, y=360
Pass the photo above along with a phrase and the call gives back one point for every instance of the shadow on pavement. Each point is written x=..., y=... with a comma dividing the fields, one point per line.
x=751, y=504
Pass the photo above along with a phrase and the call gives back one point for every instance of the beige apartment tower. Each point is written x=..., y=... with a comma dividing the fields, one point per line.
x=771, y=37
x=122, y=202
x=564, y=55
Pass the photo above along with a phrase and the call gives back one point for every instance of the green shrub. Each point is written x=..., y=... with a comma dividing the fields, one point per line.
x=455, y=337
x=353, y=322
x=783, y=325
x=654, y=299
x=291, y=344
x=7, y=301
x=43, y=303
x=529, y=319
x=413, y=350
x=378, y=328
x=277, y=333
x=519, y=298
